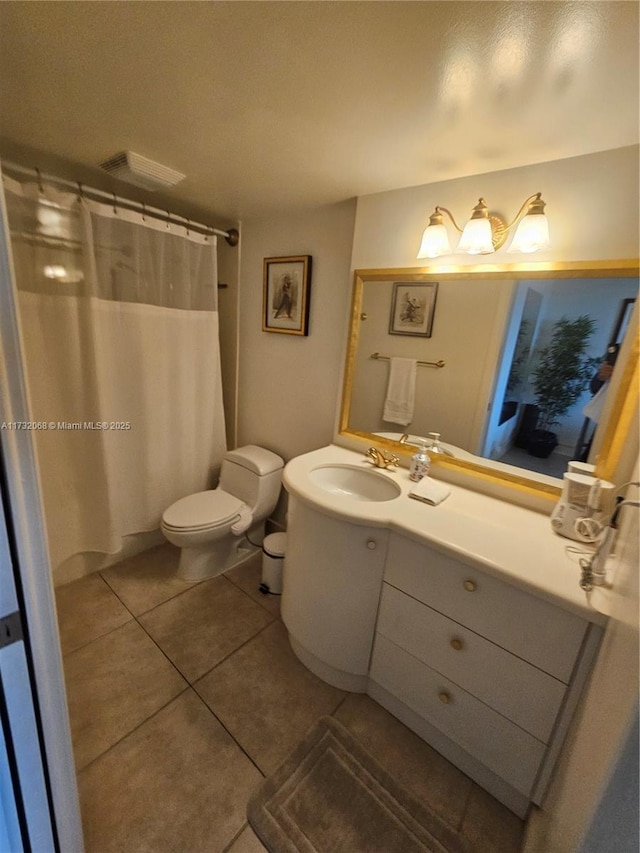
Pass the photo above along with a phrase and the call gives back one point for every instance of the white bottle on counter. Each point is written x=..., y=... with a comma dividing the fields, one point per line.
x=434, y=447
x=420, y=463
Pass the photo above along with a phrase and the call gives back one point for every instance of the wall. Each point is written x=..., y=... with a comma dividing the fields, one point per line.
x=228, y=297
x=517, y=340
x=289, y=384
x=388, y=230
x=451, y=400
x=596, y=747
x=617, y=821
x=592, y=209
x=600, y=299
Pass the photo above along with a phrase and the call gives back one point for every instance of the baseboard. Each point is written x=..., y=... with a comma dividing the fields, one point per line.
x=272, y=526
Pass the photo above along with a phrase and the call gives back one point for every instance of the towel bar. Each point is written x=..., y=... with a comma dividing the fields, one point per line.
x=378, y=357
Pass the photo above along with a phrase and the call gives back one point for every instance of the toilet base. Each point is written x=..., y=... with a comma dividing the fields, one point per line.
x=214, y=558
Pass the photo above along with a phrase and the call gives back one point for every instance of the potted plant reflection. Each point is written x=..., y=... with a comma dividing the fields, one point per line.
x=562, y=374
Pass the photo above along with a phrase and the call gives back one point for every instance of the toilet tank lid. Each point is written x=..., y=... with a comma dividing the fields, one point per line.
x=256, y=459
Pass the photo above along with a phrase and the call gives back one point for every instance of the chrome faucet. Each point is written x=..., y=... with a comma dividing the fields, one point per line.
x=380, y=459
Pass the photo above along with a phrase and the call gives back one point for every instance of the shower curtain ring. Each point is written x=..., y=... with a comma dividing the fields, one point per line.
x=144, y=212
x=39, y=176
x=115, y=204
x=168, y=219
x=79, y=191
x=188, y=226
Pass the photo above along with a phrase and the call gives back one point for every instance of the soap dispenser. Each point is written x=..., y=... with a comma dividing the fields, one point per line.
x=435, y=443
x=420, y=462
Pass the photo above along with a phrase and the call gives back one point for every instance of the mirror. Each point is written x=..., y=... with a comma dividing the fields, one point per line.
x=477, y=334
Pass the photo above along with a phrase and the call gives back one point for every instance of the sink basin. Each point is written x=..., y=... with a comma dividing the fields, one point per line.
x=360, y=484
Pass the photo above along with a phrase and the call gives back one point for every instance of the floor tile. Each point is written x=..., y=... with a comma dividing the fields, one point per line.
x=114, y=684
x=420, y=769
x=157, y=771
x=178, y=784
x=87, y=609
x=247, y=842
x=489, y=827
x=248, y=576
x=148, y=579
x=266, y=698
x=201, y=627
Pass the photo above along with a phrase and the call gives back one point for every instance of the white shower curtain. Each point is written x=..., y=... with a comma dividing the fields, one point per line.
x=119, y=324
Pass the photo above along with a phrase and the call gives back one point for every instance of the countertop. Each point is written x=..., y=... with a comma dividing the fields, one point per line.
x=510, y=542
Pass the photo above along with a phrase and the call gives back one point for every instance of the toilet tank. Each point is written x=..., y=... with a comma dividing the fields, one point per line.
x=254, y=475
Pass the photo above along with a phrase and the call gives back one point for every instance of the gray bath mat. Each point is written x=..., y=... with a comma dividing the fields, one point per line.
x=332, y=796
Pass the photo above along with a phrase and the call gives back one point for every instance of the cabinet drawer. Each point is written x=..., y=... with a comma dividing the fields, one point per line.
x=509, y=685
x=507, y=750
x=539, y=632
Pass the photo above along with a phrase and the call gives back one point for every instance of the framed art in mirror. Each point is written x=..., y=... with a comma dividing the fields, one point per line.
x=285, y=295
x=412, y=308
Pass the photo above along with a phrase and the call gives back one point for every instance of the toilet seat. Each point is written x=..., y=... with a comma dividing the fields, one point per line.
x=203, y=511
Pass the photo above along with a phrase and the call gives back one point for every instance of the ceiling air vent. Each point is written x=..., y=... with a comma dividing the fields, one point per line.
x=136, y=169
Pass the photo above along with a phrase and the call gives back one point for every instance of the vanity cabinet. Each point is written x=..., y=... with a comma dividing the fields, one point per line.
x=465, y=621
x=484, y=671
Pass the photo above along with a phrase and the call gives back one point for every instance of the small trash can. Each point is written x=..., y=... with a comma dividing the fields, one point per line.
x=273, y=548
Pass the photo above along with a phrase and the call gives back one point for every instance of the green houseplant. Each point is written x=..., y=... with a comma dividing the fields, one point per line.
x=561, y=375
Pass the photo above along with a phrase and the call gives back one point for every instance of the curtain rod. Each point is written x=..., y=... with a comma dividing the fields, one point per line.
x=232, y=236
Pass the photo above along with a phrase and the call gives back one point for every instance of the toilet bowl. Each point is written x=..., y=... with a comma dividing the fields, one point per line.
x=220, y=528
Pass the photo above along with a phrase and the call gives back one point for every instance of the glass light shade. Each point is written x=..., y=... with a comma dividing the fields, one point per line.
x=476, y=238
x=532, y=234
x=435, y=242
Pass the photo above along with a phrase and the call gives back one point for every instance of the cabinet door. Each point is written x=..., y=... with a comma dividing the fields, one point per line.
x=331, y=586
x=535, y=630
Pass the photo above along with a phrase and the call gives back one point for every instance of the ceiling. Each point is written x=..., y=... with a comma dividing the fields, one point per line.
x=278, y=106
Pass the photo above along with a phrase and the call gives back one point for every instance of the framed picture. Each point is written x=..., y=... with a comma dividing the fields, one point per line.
x=285, y=295
x=412, y=308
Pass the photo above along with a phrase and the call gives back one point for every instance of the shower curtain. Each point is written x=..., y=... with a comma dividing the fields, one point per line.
x=119, y=324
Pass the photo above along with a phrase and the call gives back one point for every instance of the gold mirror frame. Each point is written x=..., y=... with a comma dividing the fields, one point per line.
x=617, y=428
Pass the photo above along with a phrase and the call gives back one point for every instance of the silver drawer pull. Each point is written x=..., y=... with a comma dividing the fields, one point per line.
x=470, y=586
x=457, y=644
x=444, y=697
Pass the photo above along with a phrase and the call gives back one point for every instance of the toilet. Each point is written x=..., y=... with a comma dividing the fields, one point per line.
x=220, y=528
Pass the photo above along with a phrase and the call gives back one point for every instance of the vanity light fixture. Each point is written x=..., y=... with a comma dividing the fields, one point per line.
x=485, y=232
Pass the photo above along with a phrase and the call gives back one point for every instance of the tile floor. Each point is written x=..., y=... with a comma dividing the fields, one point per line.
x=554, y=465
x=183, y=697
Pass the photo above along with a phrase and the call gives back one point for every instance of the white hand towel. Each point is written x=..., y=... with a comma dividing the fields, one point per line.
x=401, y=391
x=430, y=491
